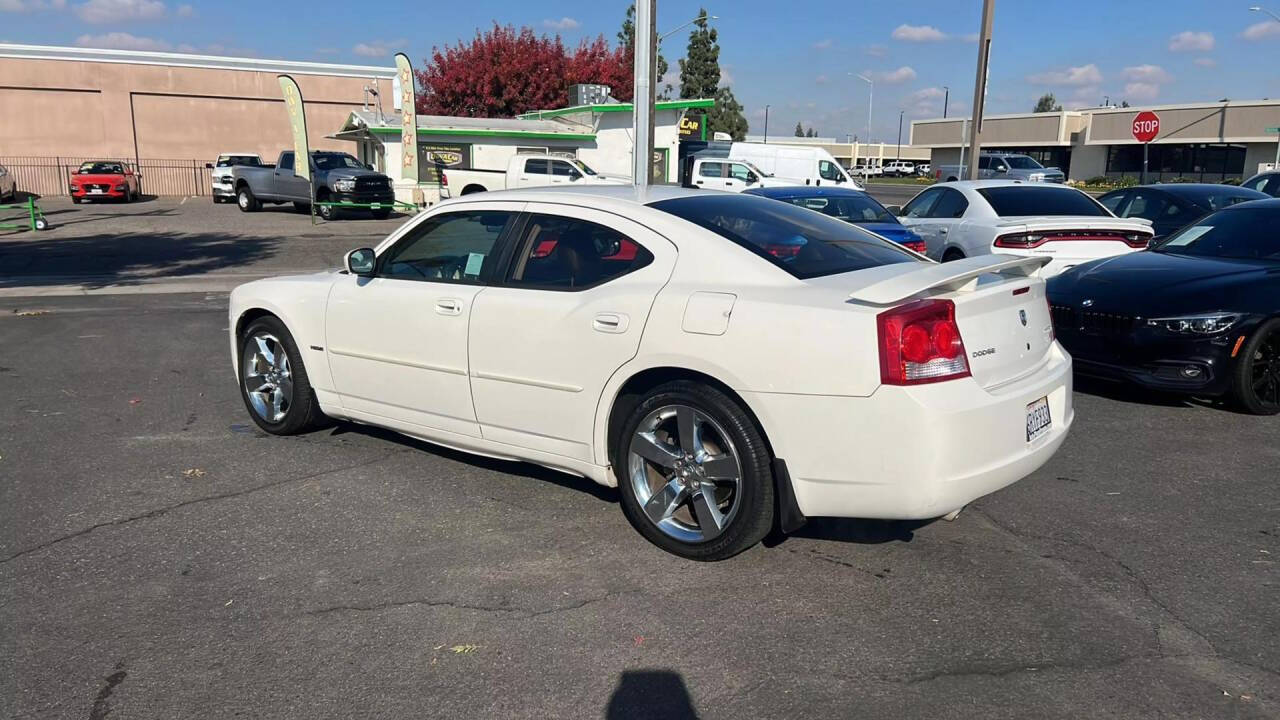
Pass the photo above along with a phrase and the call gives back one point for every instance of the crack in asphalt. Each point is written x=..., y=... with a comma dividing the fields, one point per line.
x=524, y=612
x=1017, y=668
x=195, y=501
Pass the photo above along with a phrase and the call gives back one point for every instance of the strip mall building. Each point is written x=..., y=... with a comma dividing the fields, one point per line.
x=1207, y=142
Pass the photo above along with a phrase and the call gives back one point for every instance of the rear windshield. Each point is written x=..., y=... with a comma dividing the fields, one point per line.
x=100, y=168
x=850, y=208
x=1246, y=233
x=805, y=244
x=237, y=160
x=333, y=161
x=1021, y=200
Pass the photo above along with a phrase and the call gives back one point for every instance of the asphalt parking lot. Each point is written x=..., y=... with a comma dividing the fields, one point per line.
x=162, y=558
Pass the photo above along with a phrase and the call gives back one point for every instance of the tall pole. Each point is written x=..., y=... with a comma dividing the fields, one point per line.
x=899, y=135
x=946, y=99
x=766, y=124
x=980, y=86
x=870, y=90
x=646, y=39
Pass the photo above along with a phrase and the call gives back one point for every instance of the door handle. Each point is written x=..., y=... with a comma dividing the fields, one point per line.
x=610, y=323
x=942, y=231
x=449, y=306
x=697, y=182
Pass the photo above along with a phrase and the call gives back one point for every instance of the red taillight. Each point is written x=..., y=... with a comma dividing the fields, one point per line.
x=444, y=179
x=917, y=245
x=920, y=343
x=1026, y=240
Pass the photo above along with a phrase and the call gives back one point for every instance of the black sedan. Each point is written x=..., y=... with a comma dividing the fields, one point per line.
x=1198, y=313
x=1170, y=206
x=1267, y=182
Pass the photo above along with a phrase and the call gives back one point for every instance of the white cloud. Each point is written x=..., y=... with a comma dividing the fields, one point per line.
x=564, y=23
x=1071, y=77
x=969, y=37
x=122, y=41
x=926, y=102
x=110, y=11
x=892, y=77
x=1264, y=29
x=918, y=33
x=186, y=11
x=31, y=5
x=822, y=44
x=1207, y=62
x=877, y=50
x=1141, y=91
x=378, y=48
x=1189, y=41
x=1147, y=74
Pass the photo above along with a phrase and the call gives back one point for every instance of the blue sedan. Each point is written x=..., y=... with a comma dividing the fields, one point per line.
x=851, y=206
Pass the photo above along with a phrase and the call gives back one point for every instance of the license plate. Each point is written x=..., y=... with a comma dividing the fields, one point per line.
x=95, y=191
x=1038, y=420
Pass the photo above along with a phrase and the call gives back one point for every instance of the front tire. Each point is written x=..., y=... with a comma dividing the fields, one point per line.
x=273, y=380
x=326, y=212
x=1255, y=381
x=694, y=472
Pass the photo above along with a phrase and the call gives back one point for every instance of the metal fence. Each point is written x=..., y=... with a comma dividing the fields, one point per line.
x=51, y=175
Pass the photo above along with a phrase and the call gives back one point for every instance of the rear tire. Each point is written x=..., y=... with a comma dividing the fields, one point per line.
x=246, y=201
x=952, y=254
x=273, y=380
x=1255, y=380
x=75, y=201
x=708, y=495
x=326, y=212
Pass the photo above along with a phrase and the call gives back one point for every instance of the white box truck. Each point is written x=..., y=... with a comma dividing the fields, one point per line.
x=805, y=165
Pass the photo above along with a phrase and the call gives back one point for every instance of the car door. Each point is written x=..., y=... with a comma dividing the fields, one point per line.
x=286, y=185
x=569, y=312
x=397, y=342
x=947, y=218
x=916, y=215
x=710, y=175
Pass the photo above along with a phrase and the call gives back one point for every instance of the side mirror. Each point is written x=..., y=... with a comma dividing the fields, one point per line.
x=361, y=262
x=1002, y=169
x=208, y=166
x=575, y=176
x=752, y=178
x=368, y=166
x=894, y=210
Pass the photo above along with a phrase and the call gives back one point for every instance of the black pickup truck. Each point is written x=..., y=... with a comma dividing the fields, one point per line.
x=339, y=177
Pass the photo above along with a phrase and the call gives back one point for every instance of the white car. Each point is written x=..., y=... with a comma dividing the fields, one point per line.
x=979, y=217
x=714, y=355
x=900, y=167
x=220, y=175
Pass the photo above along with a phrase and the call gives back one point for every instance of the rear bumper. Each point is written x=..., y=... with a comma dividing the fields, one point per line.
x=910, y=453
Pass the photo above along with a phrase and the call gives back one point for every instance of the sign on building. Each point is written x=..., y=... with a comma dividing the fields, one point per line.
x=435, y=158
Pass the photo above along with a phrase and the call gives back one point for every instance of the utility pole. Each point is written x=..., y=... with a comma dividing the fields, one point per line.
x=946, y=99
x=642, y=100
x=899, y=135
x=980, y=86
x=766, y=124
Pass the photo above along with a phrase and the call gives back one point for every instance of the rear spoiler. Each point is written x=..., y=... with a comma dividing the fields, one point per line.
x=951, y=276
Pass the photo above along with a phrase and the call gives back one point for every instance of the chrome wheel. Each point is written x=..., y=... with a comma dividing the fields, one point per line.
x=268, y=379
x=242, y=199
x=685, y=473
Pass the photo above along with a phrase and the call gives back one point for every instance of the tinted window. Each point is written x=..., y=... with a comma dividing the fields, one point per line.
x=712, y=170
x=1225, y=198
x=1022, y=162
x=1146, y=204
x=569, y=254
x=101, y=168
x=921, y=204
x=334, y=161
x=740, y=172
x=805, y=244
x=952, y=204
x=234, y=160
x=1273, y=186
x=286, y=161
x=1112, y=200
x=984, y=163
x=1257, y=183
x=457, y=247
x=1247, y=233
x=560, y=167
x=536, y=166
x=854, y=209
x=1020, y=200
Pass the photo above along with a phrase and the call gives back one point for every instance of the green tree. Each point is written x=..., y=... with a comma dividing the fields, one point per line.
x=700, y=78
x=811, y=133
x=799, y=130
x=627, y=39
x=1124, y=103
x=1047, y=103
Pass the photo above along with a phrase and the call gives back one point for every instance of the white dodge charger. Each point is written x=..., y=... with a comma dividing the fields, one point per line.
x=1060, y=223
x=729, y=362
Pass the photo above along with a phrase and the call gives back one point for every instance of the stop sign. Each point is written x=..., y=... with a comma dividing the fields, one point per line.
x=1146, y=125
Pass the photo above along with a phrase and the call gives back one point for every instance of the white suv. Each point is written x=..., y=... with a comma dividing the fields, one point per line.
x=900, y=167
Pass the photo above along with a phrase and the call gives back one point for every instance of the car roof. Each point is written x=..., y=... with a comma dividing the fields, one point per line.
x=979, y=184
x=806, y=191
x=628, y=194
x=1193, y=190
x=1268, y=203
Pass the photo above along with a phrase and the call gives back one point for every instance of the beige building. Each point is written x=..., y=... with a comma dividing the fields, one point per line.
x=1206, y=142
x=165, y=111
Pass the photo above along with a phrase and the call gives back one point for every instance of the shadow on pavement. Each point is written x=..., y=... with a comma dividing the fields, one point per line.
x=1126, y=393
x=852, y=530
x=644, y=694
x=100, y=260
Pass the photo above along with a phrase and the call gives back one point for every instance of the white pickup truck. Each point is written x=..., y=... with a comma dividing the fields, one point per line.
x=220, y=173
x=524, y=171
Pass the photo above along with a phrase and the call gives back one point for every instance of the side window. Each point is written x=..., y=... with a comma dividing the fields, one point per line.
x=922, y=204
x=1273, y=186
x=562, y=168
x=984, y=163
x=828, y=170
x=456, y=247
x=1112, y=201
x=536, y=166
x=286, y=162
x=952, y=204
x=560, y=253
x=712, y=170
x=740, y=172
x=1145, y=205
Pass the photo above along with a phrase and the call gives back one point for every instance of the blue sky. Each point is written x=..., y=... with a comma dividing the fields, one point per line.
x=796, y=57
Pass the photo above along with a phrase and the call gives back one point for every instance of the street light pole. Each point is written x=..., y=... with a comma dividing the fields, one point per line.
x=980, y=85
x=766, y=124
x=899, y=135
x=1259, y=8
x=642, y=100
x=870, y=91
x=678, y=28
x=946, y=99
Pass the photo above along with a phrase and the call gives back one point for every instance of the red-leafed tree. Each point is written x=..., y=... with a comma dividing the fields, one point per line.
x=504, y=72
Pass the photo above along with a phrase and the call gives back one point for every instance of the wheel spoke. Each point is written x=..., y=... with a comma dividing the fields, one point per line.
x=707, y=511
x=721, y=467
x=286, y=387
x=265, y=351
x=646, y=445
x=282, y=361
x=665, y=501
x=277, y=402
x=687, y=422
x=256, y=383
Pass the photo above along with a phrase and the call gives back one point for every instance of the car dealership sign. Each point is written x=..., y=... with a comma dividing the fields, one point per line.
x=1146, y=126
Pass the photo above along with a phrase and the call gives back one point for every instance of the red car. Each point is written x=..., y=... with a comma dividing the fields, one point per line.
x=99, y=179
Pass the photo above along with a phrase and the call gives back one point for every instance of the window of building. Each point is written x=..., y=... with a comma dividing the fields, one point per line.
x=1197, y=162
